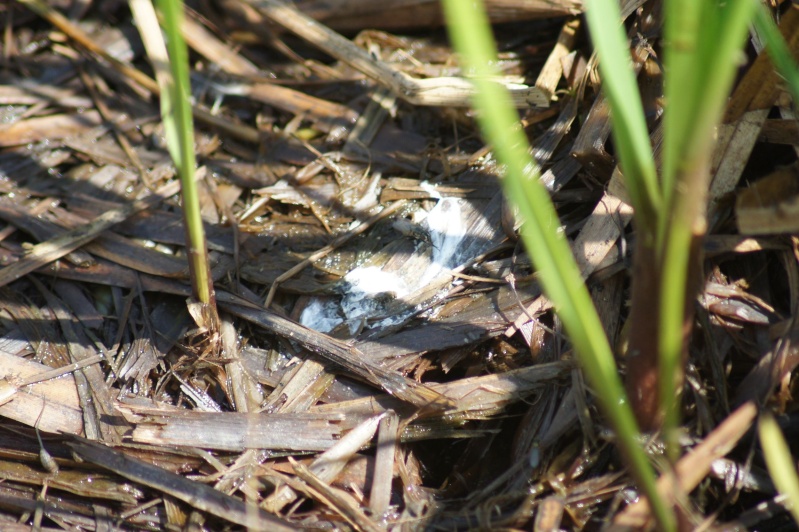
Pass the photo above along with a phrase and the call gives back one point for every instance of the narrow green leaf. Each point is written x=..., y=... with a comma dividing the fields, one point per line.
x=682, y=20
x=171, y=66
x=549, y=250
x=778, y=50
x=700, y=72
x=629, y=125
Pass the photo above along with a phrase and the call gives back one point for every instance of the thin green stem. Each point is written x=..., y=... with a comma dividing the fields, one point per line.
x=181, y=142
x=777, y=49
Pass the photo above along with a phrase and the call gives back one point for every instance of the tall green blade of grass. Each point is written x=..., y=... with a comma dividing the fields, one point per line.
x=780, y=463
x=171, y=66
x=702, y=41
x=636, y=160
x=549, y=250
x=632, y=141
x=701, y=59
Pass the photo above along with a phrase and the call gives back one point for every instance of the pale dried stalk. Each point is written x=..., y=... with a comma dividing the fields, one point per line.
x=199, y=496
x=444, y=91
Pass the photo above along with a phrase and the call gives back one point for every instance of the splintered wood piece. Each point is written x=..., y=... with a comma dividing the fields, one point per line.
x=482, y=316
x=339, y=353
x=337, y=500
x=243, y=390
x=759, y=87
x=28, y=393
x=75, y=33
x=589, y=146
x=544, y=146
x=475, y=396
x=77, y=482
x=125, y=251
x=327, y=116
x=734, y=145
x=322, y=345
x=549, y=516
x=99, y=413
x=719, y=244
x=445, y=91
x=780, y=131
x=746, y=113
x=397, y=188
x=197, y=495
x=387, y=438
x=330, y=463
x=220, y=54
x=552, y=71
x=776, y=364
x=770, y=205
x=157, y=225
x=596, y=239
x=29, y=92
x=303, y=386
x=50, y=128
x=381, y=103
x=233, y=431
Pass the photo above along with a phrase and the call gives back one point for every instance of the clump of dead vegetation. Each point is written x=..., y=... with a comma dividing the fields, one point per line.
x=384, y=358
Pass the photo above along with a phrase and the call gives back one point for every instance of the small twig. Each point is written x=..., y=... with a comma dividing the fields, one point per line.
x=10, y=386
x=341, y=240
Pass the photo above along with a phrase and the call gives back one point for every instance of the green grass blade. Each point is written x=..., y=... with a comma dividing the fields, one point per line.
x=629, y=125
x=704, y=39
x=681, y=32
x=700, y=74
x=170, y=62
x=778, y=50
x=559, y=275
x=175, y=100
x=781, y=465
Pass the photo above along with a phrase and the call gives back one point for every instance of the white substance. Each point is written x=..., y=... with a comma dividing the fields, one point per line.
x=372, y=280
x=321, y=314
x=369, y=288
x=360, y=302
x=447, y=231
x=430, y=189
x=365, y=285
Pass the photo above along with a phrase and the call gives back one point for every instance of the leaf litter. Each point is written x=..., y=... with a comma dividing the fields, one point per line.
x=387, y=359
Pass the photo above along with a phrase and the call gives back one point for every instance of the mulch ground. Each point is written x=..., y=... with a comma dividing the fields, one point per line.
x=385, y=358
